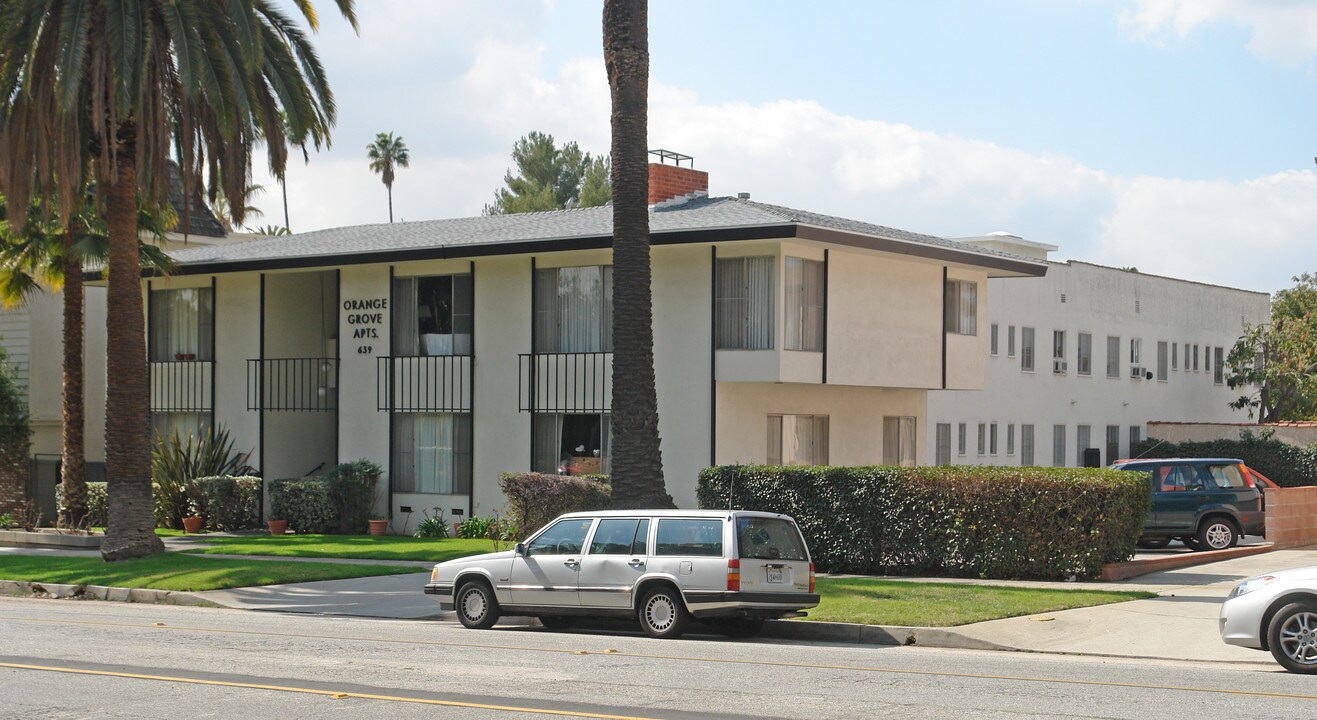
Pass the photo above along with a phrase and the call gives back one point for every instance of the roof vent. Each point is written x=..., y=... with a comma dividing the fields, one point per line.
x=743, y=196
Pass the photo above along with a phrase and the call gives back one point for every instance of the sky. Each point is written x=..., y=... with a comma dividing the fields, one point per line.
x=1175, y=136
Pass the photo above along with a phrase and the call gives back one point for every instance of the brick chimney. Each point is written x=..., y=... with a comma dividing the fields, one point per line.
x=674, y=182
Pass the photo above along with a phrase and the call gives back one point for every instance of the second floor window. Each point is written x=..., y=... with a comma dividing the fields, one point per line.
x=962, y=307
x=182, y=324
x=574, y=309
x=744, y=302
x=432, y=315
x=1085, y=354
x=1026, y=349
x=804, y=304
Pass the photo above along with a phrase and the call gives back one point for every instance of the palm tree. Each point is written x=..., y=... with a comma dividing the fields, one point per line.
x=43, y=255
x=114, y=88
x=386, y=153
x=637, y=477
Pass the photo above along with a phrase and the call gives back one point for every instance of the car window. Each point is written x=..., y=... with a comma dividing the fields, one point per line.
x=689, y=537
x=614, y=537
x=769, y=539
x=1179, y=478
x=640, y=546
x=565, y=537
x=1226, y=477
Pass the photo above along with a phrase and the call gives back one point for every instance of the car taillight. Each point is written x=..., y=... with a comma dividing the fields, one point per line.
x=1248, y=476
x=734, y=575
x=811, y=577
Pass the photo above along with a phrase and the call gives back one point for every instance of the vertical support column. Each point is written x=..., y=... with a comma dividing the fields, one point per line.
x=944, y=327
x=471, y=409
x=713, y=355
x=260, y=400
x=531, y=378
x=825, y=316
x=214, y=348
x=389, y=354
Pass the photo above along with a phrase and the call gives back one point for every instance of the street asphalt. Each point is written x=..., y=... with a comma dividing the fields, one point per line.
x=1179, y=624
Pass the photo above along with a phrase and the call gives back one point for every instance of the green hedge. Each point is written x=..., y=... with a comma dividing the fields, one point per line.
x=97, y=500
x=228, y=503
x=340, y=501
x=987, y=522
x=1284, y=464
x=536, y=498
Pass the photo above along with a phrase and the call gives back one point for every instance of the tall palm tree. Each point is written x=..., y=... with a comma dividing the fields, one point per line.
x=44, y=255
x=386, y=153
x=118, y=87
x=637, y=477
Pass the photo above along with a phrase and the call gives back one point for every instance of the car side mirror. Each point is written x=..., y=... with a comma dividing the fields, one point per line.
x=520, y=549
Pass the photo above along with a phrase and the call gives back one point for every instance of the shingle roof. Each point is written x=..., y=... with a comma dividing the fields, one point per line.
x=200, y=220
x=459, y=237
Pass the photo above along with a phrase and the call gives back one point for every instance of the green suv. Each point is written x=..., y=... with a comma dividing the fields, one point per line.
x=1207, y=503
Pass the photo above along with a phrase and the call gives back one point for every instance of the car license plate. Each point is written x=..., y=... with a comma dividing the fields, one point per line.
x=775, y=575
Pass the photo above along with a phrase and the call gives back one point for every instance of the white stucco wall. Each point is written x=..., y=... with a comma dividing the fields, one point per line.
x=237, y=340
x=1102, y=301
x=363, y=432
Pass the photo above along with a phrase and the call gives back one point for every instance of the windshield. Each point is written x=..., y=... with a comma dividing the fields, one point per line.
x=769, y=539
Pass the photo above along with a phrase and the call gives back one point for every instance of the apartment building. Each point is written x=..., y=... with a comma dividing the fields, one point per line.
x=1084, y=357
x=450, y=351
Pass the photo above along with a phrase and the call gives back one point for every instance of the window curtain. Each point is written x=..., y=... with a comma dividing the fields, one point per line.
x=961, y=315
x=804, y=304
x=547, y=431
x=406, y=324
x=402, y=470
x=184, y=424
x=432, y=437
x=573, y=309
x=774, y=440
x=745, y=303
x=182, y=324
x=463, y=313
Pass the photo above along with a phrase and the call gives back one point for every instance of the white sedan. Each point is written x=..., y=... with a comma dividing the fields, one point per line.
x=1276, y=612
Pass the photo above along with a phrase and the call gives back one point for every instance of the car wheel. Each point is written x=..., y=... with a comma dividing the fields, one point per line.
x=477, y=608
x=1216, y=533
x=1154, y=543
x=1292, y=637
x=741, y=627
x=662, y=614
x=557, y=622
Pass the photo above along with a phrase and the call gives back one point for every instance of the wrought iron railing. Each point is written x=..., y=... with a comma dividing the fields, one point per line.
x=292, y=384
x=566, y=382
x=181, y=386
x=423, y=383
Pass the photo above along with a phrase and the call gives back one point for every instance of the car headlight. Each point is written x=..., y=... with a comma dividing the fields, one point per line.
x=1252, y=584
x=434, y=575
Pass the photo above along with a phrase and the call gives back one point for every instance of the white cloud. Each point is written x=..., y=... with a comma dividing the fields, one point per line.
x=1282, y=30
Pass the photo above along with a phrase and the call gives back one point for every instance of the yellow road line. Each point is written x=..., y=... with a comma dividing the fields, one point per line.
x=337, y=694
x=686, y=658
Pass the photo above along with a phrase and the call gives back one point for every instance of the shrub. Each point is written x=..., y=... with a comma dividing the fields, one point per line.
x=228, y=503
x=305, y=503
x=988, y=522
x=536, y=498
x=175, y=463
x=1284, y=464
x=433, y=526
x=97, y=499
x=353, y=489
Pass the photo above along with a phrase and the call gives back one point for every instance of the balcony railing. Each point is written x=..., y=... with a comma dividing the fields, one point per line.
x=181, y=386
x=292, y=384
x=424, y=383
x=566, y=382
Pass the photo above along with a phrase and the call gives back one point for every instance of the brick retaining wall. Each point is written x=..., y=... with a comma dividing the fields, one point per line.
x=1292, y=516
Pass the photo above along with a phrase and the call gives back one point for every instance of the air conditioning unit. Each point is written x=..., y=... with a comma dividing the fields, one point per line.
x=1058, y=366
x=1136, y=372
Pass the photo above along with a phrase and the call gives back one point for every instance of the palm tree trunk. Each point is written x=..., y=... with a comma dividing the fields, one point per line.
x=130, y=529
x=283, y=185
x=637, y=464
x=73, y=470
x=390, y=187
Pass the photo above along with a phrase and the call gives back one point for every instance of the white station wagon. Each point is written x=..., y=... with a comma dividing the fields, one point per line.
x=733, y=568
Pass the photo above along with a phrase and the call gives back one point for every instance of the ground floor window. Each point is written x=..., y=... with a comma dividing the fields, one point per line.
x=431, y=453
x=899, y=441
x=572, y=443
x=184, y=424
x=797, y=439
x=943, y=444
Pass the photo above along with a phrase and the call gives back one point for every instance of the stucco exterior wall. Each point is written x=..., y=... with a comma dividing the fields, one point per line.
x=1084, y=298
x=1298, y=434
x=363, y=432
x=237, y=340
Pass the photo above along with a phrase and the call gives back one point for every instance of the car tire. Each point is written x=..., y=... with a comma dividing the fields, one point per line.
x=741, y=627
x=557, y=622
x=1292, y=637
x=662, y=613
x=476, y=606
x=1216, y=533
x=1153, y=543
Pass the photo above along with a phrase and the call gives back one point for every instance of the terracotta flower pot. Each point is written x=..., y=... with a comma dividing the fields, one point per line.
x=278, y=527
x=192, y=524
x=378, y=527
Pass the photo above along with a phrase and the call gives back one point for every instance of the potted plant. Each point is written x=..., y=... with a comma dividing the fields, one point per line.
x=277, y=527
x=378, y=526
x=193, y=524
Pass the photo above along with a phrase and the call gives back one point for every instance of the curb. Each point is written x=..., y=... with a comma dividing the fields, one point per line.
x=101, y=592
x=875, y=635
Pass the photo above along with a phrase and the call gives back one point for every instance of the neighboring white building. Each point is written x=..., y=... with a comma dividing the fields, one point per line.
x=1084, y=357
x=450, y=351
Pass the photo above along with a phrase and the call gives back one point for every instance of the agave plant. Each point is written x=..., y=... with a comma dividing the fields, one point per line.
x=176, y=462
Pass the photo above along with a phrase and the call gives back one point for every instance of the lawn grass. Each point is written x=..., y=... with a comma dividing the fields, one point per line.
x=176, y=571
x=871, y=601
x=365, y=547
